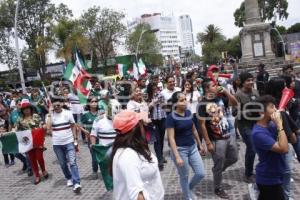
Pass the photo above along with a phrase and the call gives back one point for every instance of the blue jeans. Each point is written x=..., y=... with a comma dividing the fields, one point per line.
x=297, y=148
x=246, y=134
x=191, y=157
x=66, y=154
x=288, y=158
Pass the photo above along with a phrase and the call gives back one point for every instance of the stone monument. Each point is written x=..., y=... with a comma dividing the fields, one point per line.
x=255, y=35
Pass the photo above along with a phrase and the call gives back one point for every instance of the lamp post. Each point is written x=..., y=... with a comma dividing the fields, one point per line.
x=139, y=41
x=17, y=49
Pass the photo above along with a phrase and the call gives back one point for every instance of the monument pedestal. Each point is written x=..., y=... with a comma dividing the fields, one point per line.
x=256, y=42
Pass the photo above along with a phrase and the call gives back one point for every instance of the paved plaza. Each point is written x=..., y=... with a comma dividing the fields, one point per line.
x=15, y=186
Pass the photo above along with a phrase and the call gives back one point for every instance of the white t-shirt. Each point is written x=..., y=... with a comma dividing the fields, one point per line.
x=103, y=129
x=137, y=107
x=193, y=106
x=167, y=94
x=75, y=105
x=133, y=174
x=61, y=127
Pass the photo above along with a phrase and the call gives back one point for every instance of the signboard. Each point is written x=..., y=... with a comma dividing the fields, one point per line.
x=258, y=49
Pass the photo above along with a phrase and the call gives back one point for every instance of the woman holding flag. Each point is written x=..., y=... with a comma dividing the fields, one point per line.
x=28, y=121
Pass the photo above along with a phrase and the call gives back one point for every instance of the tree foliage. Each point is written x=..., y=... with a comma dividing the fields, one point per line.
x=213, y=43
x=149, y=45
x=233, y=47
x=269, y=9
x=68, y=35
x=35, y=19
x=104, y=29
x=294, y=28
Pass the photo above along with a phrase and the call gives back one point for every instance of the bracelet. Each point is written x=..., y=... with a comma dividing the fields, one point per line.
x=280, y=130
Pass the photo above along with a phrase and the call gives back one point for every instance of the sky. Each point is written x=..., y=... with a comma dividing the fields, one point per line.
x=202, y=12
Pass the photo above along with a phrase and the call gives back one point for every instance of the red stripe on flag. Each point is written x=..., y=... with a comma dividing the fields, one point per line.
x=78, y=83
x=38, y=137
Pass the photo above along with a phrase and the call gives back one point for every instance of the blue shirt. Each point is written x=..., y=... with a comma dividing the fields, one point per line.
x=271, y=165
x=183, y=127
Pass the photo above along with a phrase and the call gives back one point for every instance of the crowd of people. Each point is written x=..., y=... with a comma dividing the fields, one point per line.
x=199, y=113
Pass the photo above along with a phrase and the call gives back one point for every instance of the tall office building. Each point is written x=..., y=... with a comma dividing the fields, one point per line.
x=186, y=34
x=167, y=34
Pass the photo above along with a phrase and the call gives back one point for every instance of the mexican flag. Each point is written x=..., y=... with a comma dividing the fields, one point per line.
x=80, y=78
x=103, y=158
x=122, y=69
x=22, y=141
x=142, y=67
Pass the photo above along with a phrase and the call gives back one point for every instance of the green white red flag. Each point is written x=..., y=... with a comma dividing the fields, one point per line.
x=80, y=78
x=22, y=141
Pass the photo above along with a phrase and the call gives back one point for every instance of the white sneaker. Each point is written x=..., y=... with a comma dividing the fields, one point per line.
x=77, y=188
x=69, y=183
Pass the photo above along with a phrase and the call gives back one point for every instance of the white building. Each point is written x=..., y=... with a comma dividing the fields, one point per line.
x=167, y=34
x=186, y=34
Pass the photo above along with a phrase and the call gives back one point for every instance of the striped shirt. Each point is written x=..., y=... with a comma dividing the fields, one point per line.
x=104, y=131
x=61, y=127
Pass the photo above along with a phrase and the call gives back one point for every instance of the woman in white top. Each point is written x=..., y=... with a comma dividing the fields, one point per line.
x=134, y=168
x=193, y=97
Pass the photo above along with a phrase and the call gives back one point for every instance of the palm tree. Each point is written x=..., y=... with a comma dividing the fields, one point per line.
x=211, y=34
x=68, y=35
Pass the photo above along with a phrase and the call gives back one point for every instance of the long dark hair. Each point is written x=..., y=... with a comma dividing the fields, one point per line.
x=150, y=92
x=274, y=88
x=134, y=140
x=88, y=107
x=192, y=88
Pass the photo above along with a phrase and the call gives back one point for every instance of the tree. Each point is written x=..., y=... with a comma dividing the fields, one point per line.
x=34, y=24
x=213, y=43
x=104, y=29
x=211, y=34
x=269, y=9
x=294, y=28
x=149, y=45
x=281, y=29
x=68, y=34
x=233, y=47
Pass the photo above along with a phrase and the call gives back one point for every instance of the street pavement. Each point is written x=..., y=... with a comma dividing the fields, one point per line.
x=15, y=186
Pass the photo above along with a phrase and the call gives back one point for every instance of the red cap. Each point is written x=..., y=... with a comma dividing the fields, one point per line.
x=126, y=120
x=25, y=103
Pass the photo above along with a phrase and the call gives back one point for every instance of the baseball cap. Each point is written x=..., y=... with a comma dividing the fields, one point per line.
x=126, y=120
x=25, y=103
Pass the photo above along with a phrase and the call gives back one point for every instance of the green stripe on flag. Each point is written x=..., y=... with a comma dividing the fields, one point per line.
x=68, y=71
x=82, y=97
x=9, y=143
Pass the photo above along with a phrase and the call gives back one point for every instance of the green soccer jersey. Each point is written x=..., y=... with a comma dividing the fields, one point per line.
x=87, y=120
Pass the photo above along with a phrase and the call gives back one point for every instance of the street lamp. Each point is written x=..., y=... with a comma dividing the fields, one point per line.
x=17, y=49
x=139, y=41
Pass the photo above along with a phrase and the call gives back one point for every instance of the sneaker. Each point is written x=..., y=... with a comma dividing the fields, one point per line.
x=12, y=163
x=193, y=195
x=7, y=165
x=249, y=179
x=30, y=173
x=165, y=160
x=161, y=167
x=77, y=188
x=221, y=193
x=69, y=183
x=95, y=175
